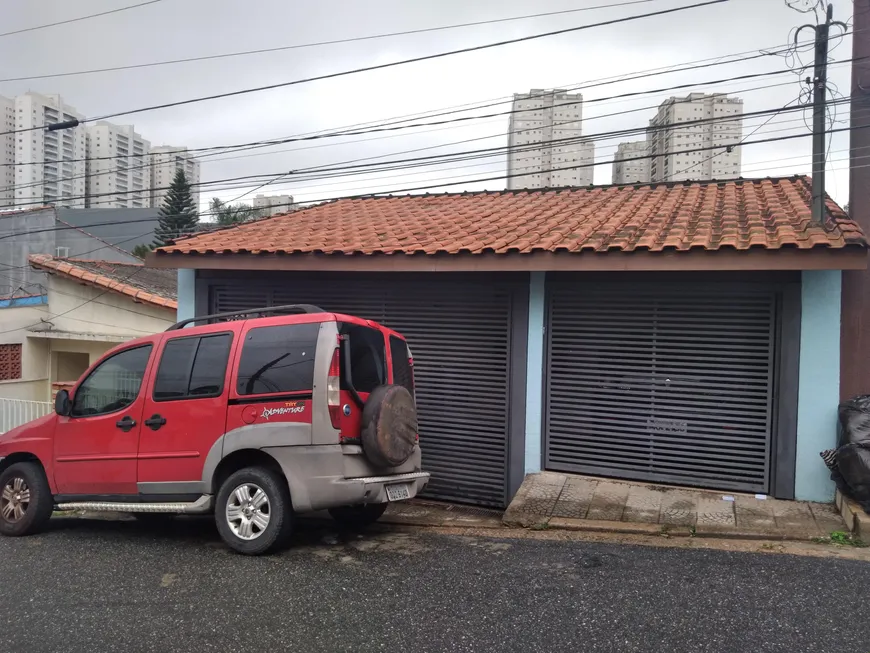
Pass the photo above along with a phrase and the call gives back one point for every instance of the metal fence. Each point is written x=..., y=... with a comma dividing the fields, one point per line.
x=15, y=412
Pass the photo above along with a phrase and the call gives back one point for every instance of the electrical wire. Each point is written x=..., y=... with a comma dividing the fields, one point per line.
x=524, y=147
x=300, y=46
x=351, y=130
x=80, y=18
x=391, y=64
x=497, y=178
x=438, y=123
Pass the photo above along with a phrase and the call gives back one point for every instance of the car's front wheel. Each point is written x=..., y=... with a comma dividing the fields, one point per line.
x=358, y=517
x=253, y=511
x=25, y=499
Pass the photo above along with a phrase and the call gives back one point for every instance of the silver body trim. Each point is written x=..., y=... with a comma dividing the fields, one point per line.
x=393, y=478
x=201, y=505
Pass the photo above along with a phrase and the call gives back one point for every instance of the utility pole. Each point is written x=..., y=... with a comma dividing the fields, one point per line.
x=819, y=84
x=855, y=323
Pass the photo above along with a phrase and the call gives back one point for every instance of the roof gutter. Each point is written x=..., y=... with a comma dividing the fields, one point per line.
x=850, y=257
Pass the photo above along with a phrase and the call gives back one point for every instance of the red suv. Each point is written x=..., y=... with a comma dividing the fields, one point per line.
x=254, y=416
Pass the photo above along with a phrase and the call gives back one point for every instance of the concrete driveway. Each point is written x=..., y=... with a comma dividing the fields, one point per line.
x=89, y=585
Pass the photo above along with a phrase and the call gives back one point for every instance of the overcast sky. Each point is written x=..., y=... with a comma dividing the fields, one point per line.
x=173, y=29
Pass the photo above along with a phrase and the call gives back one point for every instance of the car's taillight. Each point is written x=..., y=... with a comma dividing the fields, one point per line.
x=333, y=390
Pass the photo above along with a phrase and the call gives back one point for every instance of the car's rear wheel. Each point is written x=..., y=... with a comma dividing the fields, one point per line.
x=253, y=511
x=25, y=499
x=358, y=517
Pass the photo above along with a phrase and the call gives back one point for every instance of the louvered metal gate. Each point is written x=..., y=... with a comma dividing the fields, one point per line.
x=459, y=334
x=672, y=384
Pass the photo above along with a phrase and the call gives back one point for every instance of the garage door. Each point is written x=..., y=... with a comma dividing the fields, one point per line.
x=669, y=384
x=459, y=336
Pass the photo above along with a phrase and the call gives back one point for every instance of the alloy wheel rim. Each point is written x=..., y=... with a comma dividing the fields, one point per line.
x=248, y=511
x=14, y=499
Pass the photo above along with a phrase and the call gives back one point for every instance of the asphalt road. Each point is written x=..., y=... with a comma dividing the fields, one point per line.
x=95, y=586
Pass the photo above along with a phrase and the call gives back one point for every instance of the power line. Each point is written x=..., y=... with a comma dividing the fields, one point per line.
x=421, y=161
x=299, y=46
x=80, y=18
x=254, y=144
x=350, y=130
x=501, y=149
x=480, y=180
x=391, y=64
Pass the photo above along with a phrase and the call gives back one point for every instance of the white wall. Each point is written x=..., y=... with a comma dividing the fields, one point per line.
x=14, y=321
x=105, y=313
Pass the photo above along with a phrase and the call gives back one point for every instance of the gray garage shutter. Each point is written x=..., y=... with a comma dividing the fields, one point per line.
x=669, y=384
x=458, y=333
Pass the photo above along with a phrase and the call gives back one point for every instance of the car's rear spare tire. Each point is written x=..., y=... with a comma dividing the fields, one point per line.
x=25, y=499
x=389, y=426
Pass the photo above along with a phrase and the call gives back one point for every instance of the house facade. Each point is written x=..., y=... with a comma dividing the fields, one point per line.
x=49, y=340
x=683, y=333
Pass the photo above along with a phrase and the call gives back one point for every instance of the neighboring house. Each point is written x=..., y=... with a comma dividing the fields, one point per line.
x=682, y=333
x=94, y=234
x=88, y=307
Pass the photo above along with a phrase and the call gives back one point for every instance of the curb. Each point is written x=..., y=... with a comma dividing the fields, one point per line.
x=857, y=521
x=536, y=522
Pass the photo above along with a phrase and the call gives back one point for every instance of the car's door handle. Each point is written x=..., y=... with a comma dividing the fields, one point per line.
x=126, y=423
x=155, y=422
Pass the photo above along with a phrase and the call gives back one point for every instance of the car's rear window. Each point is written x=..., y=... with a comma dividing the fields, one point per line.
x=402, y=373
x=367, y=357
x=278, y=359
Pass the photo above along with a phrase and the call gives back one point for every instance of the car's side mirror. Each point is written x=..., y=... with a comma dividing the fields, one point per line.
x=62, y=403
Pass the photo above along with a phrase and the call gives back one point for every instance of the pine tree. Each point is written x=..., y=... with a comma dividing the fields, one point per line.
x=141, y=251
x=178, y=214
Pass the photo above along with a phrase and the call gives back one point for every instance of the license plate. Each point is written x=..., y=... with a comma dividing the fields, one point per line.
x=398, y=492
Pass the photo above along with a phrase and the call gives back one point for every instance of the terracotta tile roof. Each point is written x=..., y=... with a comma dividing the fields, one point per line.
x=146, y=285
x=740, y=214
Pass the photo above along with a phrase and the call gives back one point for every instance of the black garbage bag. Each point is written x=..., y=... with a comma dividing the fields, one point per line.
x=853, y=468
x=850, y=464
x=854, y=421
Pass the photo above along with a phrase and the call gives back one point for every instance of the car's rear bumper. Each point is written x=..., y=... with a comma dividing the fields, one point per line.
x=373, y=489
x=329, y=476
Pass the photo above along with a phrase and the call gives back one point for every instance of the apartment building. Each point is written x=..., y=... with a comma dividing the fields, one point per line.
x=671, y=143
x=49, y=165
x=165, y=161
x=118, y=167
x=273, y=204
x=7, y=153
x=544, y=139
x=629, y=163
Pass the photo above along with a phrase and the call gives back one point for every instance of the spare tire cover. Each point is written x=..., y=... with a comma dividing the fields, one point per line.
x=389, y=426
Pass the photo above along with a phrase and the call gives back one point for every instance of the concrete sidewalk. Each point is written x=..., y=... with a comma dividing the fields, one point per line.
x=550, y=499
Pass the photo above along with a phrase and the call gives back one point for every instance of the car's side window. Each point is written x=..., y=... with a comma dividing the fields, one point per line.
x=278, y=359
x=193, y=368
x=113, y=385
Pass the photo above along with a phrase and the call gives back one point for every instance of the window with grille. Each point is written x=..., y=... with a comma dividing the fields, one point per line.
x=10, y=362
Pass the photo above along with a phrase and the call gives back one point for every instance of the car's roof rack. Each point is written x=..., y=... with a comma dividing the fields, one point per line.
x=250, y=314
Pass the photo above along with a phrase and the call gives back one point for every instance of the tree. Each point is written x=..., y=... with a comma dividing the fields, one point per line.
x=229, y=214
x=141, y=251
x=178, y=215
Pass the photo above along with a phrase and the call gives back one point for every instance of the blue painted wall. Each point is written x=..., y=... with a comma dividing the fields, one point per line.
x=535, y=372
x=186, y=294
x=819, y=382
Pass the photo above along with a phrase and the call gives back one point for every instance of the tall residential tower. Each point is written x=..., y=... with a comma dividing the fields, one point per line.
x=672, y=144
x=544, y=139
